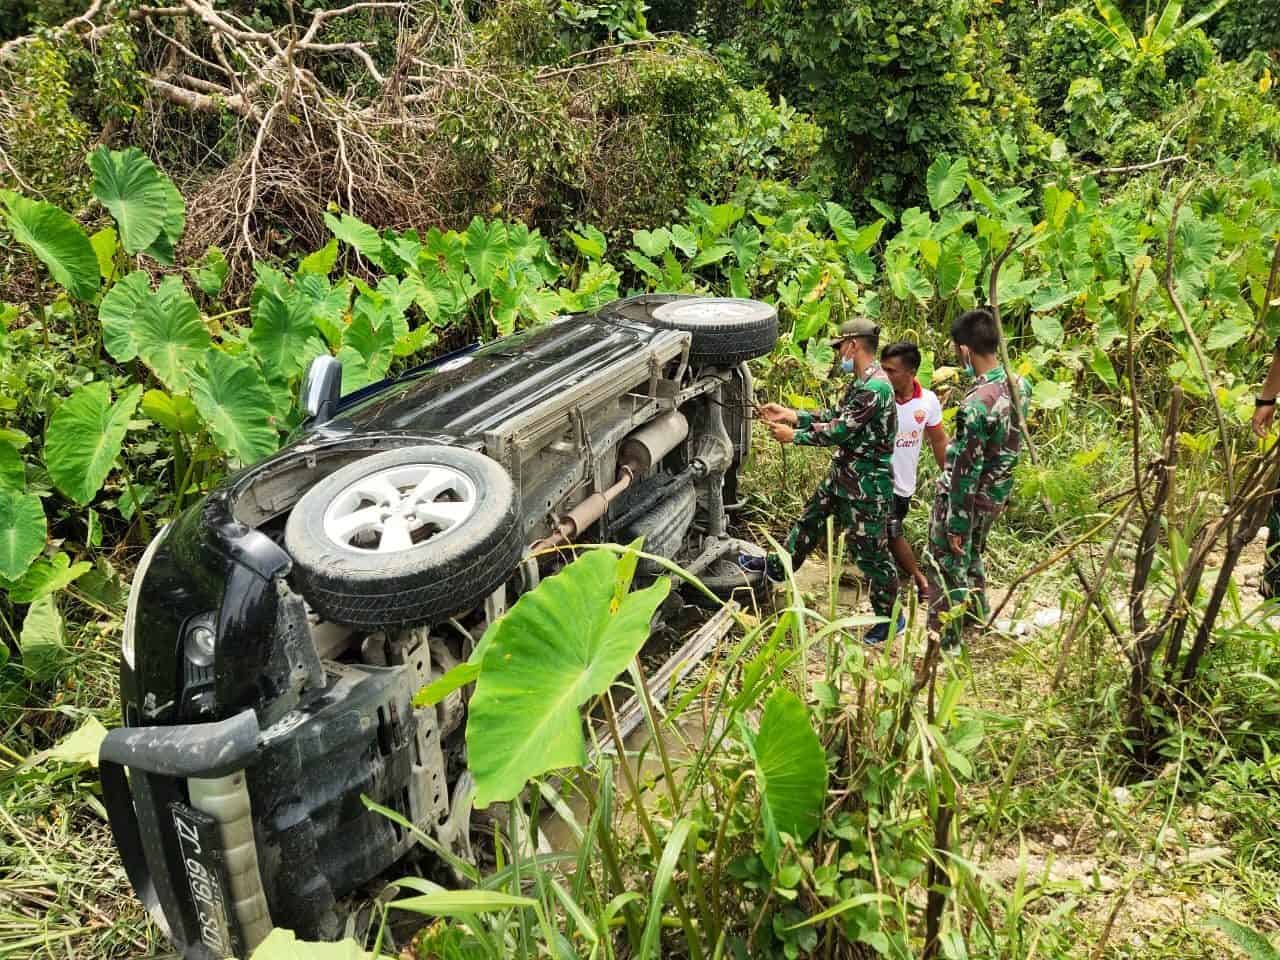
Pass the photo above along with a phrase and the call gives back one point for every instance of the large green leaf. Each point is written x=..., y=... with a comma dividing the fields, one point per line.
x=1118, y=39
x=128, y=184
x=22, y=532
x=281, y=329
x=486, y=249
x=211, y=272
x=561, y=644
x=169, y=335
x=176, y=414
x=47, y=576
x=841, y=222
x=236, y=405
x=41, y=639
x=119, y=309
x=791, y=770
x=282, y=944
x=57, y=240
x=945, y=180
x=84, y=438
x=356, y=233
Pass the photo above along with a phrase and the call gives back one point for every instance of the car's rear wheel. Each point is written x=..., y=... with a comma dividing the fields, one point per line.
x=406, y=536
x=725, y=330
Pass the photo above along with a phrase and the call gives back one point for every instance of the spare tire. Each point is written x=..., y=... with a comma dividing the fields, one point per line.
x=725, y=330
x=407, y=536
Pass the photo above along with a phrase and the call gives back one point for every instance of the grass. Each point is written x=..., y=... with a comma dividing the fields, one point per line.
x=1102, y=862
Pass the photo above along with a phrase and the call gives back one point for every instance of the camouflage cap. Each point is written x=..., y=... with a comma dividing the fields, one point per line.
x=859, y=327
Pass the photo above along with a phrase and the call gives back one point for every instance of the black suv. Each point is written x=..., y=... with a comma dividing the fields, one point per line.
x=278, y=630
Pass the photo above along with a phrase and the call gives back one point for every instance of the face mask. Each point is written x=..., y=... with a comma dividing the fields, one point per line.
x=968, y=367
x=846, y=365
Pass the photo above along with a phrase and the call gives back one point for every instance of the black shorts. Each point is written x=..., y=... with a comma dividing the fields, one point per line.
x=898, y=513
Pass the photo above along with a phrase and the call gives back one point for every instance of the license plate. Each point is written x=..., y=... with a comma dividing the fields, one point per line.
x=202, y=859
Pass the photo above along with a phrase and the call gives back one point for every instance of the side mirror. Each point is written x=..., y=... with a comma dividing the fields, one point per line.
x=321, y=389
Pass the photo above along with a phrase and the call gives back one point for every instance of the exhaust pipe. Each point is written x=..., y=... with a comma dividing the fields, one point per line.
x=637, y=454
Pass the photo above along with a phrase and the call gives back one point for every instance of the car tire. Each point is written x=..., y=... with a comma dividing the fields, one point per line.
x=726, y=331
x=364, y=559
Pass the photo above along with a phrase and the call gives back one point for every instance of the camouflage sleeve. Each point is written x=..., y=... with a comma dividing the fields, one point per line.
x=842, y=426
x=807, y=418
x=966, y=468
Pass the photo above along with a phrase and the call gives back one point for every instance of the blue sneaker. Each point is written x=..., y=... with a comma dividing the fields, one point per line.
x=880, y=632
x=758, y=563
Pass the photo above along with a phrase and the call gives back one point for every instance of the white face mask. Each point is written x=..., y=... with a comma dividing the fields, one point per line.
x=846, y=365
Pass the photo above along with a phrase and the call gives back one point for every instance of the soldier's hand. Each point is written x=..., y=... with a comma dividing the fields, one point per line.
x=956, y=542
x=777, y=413
x=782, y=432
x=1262, y=420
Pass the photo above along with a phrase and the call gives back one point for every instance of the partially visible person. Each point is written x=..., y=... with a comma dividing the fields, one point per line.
x=859, y=490
x=1263, y=418
x=977, y=480
x=919, y=420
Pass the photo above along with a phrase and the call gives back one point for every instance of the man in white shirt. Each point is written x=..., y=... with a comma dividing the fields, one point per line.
x=919, y=419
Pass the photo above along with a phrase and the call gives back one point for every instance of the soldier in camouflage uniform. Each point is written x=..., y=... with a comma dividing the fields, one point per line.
x=975, y=485
x=859, y=490
x=1263, y=415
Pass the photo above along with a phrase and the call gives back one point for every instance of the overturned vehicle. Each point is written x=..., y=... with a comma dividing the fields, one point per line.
x=277, y=631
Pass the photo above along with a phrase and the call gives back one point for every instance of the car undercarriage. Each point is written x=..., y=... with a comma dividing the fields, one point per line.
x=278, y=631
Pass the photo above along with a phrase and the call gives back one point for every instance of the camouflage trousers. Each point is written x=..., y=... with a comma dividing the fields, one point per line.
x=866, y=529
x=1271, y=565
x=956, y=578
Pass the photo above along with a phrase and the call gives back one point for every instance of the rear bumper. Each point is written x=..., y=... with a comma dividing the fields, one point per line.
x=226, y=828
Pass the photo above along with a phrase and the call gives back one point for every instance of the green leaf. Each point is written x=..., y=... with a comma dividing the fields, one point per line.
x=841, y=222
x=13, y=472
x=169, y=335
x=1047, y=328
x=281, y=329
x=1050, y=394
x=22, y=532
x=958, y=264
x=1100, y=364
x=452, y=680
x=643, y=264
x=945, y=180
x=462, y=903
x=712, y=254
x=117, y=312
x=791, y=770
x=560, y=645
x=104, y=244
x=176, y=414
x=590, y=243
x=650, y=940
x=47, y=576
x=319, y=262
x=84, y=438
x=41, y=639
x=236, y=405
x=811, y=320
x=867, y=237
x=211, y=272
x=356, y=233
x=57, y=240
x=128, y=184
x=684, y=239
x=79, y=747
x=1254, y=944
x=486, y=249
x=175, y=220
x=282, y=944
x=1121, y=37
x=652, y=243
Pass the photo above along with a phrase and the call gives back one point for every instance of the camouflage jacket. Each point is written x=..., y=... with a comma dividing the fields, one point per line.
x=983, y=450
x=863, y=430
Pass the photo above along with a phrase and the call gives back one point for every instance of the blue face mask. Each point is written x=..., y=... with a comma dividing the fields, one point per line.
x=968, y=367
x=846, y=365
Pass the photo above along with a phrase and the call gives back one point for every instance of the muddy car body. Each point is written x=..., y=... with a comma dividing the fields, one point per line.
x=278, y=630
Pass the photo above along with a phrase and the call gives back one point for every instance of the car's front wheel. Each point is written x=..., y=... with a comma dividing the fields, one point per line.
x=407, y=536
